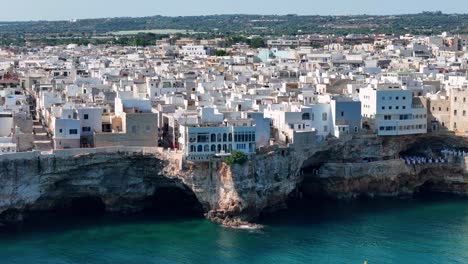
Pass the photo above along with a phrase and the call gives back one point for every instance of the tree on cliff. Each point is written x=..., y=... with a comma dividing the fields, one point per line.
x=237, y=157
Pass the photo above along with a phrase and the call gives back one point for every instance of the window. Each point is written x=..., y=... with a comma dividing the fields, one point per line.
x=464, y=113
x=455, y=99
x=404, y=98
x=454, y=112
x=86, y=116
x=203, y=137
x=342, y=113
x=86, y=129
x=324, y=116
x=60, y=130
x=73, y=131
x=306, y=116
x=397, y=107
x=387, y=117
x=383, y=107
x=404, y=107
x=355, y=129
x=325, y=128
x=390, y=108
x=241, y=146
x=397, y=98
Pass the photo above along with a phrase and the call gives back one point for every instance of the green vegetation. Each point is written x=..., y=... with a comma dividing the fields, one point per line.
x=256, y=42
x=221, y=53
x=234, y=28
x=154, y=31
x=237, y=157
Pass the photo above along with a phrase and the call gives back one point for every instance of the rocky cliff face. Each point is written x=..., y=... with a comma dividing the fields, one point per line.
x=370, y=167
x=128, y=182
x=233, y=194
x=131, y=182
x=115, y=182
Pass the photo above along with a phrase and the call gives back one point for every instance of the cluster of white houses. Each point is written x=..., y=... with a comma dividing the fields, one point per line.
x=182, y=97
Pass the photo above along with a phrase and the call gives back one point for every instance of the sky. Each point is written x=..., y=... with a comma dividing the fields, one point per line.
x=24, y=10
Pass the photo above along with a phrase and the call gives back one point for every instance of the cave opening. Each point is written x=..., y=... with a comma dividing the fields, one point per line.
x=431, y=190
x=80, y=206
x=174, y=201
x=88, y=205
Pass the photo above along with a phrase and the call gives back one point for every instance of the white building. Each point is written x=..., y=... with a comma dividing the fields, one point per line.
x=7, y=146
x=393, y=110
x=201, y=143
x=6, y=124
x=66, y=133
x=193, y=51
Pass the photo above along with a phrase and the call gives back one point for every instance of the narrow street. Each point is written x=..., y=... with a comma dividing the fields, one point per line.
x=41, y=140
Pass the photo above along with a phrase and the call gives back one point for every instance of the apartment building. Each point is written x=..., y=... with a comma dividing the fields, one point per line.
x=458, y=111
x=390, y=110
x=201, y=143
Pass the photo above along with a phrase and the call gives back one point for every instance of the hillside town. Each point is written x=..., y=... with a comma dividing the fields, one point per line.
x=206, y=101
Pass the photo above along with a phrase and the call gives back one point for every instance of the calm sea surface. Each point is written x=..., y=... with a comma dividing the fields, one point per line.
x=380, y=232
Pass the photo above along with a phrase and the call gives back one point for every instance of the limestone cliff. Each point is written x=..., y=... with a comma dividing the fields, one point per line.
x=121, y=181
x=134, y=179
x=232, y=193
x=371, y=167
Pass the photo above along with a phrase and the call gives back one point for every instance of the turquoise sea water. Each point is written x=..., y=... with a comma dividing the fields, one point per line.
x=380, y=232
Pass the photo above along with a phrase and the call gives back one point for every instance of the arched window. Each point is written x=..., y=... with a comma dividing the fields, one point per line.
x=224, y=147
x=219, y=147
x=213, y=137
x=199, y=148
x=207, y=148
x=224, y=137
x=305, y=116
x=230, y=137
x=219, y=137
x=213, y=148
x=192, y=148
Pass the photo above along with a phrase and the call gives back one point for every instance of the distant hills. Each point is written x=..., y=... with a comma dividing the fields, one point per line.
x=423, y=23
